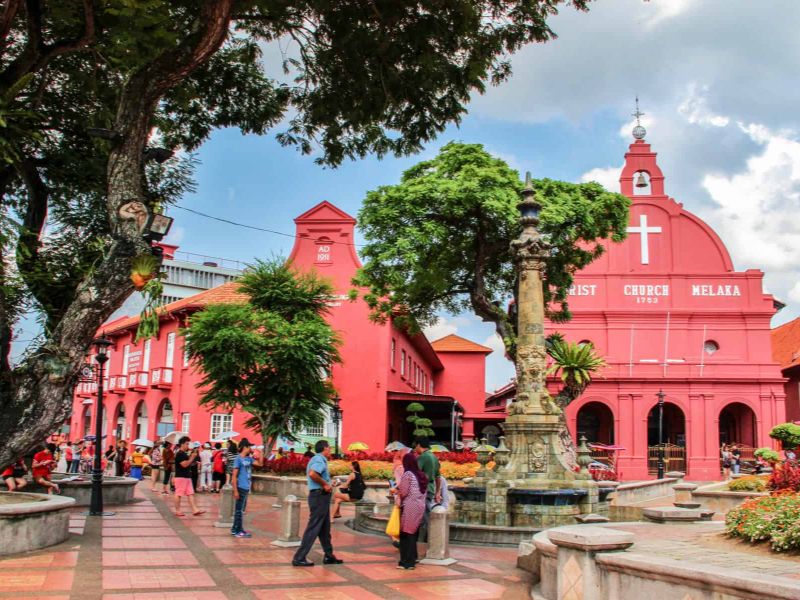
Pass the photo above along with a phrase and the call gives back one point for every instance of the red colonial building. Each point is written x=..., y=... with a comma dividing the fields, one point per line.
x=668, y=311
x=786, y=352
x=152, y=388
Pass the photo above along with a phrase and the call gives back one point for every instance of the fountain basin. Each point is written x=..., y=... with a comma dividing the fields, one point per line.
x=116, y=490
x=32, y=521
x=559, y=497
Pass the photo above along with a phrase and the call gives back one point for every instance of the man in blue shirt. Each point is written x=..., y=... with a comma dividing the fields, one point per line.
x=319, y=502
x=242, y=476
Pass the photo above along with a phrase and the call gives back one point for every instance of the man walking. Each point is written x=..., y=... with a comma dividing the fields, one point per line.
x=319, y=501
x=428, y=464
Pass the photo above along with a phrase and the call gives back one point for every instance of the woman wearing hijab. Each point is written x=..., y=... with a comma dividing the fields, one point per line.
x=411, y=490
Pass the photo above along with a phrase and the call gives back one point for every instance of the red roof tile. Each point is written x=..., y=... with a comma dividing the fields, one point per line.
x=226, y=293
x=786, y=344
x=455, y=343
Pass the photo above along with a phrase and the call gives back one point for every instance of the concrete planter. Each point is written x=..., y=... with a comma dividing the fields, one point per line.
x=116, y=490
x=35, y=521
x=296, y=486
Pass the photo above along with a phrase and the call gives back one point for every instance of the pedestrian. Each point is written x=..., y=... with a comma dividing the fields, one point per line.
x=14, y=475
x=206, y=468
x=319, y=502
x=195, y=468
x=444, y=501
x=43, y=464
x=428, y=464
x=412, y=491
x=168, y=464
x=736, y=453
x=184, y=459
x=155, y=467
x=352, y=489
x=218, y=467
x=76, y=457
x=727, y=461
x=119, y=458
x=309, y=453
x=230, y=455
x=137, y=462
x=62, y=458
x=242, y=477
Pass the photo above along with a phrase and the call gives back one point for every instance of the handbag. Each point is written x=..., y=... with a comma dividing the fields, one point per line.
x=393, y=526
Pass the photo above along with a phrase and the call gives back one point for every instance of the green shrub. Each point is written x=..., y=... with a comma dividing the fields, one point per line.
x=750, y=483
x=767, y=454
x=774, y=518
x=788, y=434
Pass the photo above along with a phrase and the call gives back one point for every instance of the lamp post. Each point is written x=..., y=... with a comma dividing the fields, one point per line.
x=96, y=503
x=336, y=415
x=660, y=395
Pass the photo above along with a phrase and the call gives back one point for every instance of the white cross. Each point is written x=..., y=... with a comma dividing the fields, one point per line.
x=643, y=229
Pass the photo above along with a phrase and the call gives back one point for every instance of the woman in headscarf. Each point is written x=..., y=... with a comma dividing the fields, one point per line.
x=411, y=490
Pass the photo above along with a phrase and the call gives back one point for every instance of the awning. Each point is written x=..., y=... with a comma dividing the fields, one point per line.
x=412, y=397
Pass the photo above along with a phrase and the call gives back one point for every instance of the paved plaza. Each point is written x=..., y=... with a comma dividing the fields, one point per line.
x=144, y=552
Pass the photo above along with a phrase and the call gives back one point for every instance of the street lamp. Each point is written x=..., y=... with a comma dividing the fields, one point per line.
x=157, y=227
x=101, y=345
x=336, y=415
x=660, y=395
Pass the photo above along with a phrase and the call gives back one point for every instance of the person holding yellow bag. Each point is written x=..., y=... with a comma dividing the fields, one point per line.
x=411, y=490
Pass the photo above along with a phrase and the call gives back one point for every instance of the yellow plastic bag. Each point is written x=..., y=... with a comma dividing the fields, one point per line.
x=393, y=526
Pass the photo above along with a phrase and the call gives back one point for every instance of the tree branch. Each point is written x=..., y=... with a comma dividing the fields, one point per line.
x=10, y=11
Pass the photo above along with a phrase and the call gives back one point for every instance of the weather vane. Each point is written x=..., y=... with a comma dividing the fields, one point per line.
x=638, y=132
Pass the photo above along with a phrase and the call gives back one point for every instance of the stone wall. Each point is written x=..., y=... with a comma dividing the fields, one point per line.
x=35, y=522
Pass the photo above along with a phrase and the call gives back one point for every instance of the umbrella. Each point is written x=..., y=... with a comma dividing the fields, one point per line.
x=142, y=442
x=395, y=446
x=439, y=448
x=227, y=435
x=173, y=436
x=357, y=447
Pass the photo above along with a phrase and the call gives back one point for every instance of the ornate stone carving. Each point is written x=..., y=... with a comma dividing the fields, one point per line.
x=537, y=455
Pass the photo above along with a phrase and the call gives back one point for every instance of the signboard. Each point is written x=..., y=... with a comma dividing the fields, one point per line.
x=134, y=361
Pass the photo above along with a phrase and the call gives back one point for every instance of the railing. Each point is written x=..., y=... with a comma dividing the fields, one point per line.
x=225, y=263
x=674, y=458
x=161, y=377
x=138, y=380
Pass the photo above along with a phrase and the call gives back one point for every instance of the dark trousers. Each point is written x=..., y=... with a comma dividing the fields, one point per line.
x=119, y=469
x=74, y=464
x=408, y=549
x=319, y=525
x=422, y=532
x=238, y=513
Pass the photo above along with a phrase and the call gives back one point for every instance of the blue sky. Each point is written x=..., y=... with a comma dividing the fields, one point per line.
x=721, y=110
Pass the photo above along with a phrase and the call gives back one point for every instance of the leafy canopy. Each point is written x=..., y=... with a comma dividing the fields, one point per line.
x=271, y=355
x=575, y=364
x=440, y=239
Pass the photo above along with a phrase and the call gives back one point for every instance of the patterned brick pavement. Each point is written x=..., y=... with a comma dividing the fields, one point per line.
x=144, y=552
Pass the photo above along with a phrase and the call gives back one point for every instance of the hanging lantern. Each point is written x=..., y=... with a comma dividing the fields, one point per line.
x=641, y=182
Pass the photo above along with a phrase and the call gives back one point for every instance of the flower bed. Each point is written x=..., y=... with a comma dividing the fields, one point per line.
x=774, y=518
x=380, y=470
x=785, y=476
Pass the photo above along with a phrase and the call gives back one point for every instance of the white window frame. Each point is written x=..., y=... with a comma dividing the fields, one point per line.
x=394, y=350
x=146, y=355
x=218, y=424
x=403, y=363
x=170, y=350
x=185, y=354
x=126, y=352
x=186, y=421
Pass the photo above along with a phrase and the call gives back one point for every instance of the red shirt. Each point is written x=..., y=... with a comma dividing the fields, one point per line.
x=40, y=457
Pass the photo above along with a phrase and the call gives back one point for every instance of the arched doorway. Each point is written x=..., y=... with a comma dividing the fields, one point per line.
x=165, y=420
x=119, y=422
x=673, y=437
x=596, y=421
x=140, y=420
x=737, y=425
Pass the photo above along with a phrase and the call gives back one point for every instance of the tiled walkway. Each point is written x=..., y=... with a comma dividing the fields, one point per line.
x=144, y=552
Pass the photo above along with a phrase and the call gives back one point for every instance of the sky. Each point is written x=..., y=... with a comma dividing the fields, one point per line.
x=716, y=80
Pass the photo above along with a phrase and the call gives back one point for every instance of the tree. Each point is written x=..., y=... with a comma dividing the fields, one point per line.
x=422, y=425
x=440, y=239
x=788, y=434
x=270, y=356
x=94, y=95
x=575, y=365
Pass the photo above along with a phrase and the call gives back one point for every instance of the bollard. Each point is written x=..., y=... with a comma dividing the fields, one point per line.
x=683, y=495
x=226, y=507
x=281, y=491
x=289, y=537
x=438, y=539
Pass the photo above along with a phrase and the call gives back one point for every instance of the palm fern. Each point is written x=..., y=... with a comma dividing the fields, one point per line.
x=575, y=364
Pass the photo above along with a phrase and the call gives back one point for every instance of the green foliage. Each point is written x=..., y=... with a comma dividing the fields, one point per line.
x=268, y=356
x=575, y=364
x=773, y=518
x=749, y=483
x=788, y=434
x=767, y=454
x=422, y=425
x=440, y=239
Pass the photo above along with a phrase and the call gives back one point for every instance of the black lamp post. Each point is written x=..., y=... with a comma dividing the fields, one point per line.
x=96, y=503
x=336, y=415
x=660, y=395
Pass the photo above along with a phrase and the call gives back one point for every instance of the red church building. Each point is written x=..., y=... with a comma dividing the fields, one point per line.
x=152, y=387
x=668, y=311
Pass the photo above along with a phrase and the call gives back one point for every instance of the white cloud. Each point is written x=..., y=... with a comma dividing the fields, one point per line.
x=663, y=10
x=794, y=293
x=441, y=328
x=495, y=343
x=176, y=235
x=696, y=111
x=608, y=177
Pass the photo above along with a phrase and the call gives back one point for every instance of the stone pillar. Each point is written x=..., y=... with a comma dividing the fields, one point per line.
x=281, y=491
x=438, y=539
x=578, y=575
x=226, y=507
x=289, y=536
x=683, y=495
x=679, y=475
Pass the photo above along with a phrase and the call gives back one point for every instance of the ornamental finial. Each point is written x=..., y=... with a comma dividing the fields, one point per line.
x=638, y=132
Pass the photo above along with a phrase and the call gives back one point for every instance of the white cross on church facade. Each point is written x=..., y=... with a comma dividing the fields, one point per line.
x=644, y=231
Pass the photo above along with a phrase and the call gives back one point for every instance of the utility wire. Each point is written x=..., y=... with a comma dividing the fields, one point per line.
x=246, y=226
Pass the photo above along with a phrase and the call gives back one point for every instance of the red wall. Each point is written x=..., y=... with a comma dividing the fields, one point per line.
x=463, y=378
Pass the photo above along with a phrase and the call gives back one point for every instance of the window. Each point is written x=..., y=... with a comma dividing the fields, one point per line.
x=185, y=354
x=394, y=348
x=424, y=382
x=186, y=420
x=710, y=347
x=408, y=366
x=126, y=351
x=146, y=357
x=170, y=349
x=431, y=392
x=402, y=363
x=315, y=430
x=220, y=424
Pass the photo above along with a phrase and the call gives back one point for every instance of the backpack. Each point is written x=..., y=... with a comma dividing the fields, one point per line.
x=217, y=459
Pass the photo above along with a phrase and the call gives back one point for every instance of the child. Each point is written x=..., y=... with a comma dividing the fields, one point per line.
x=137, y=462
x=43, y=464
x=242, y=475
